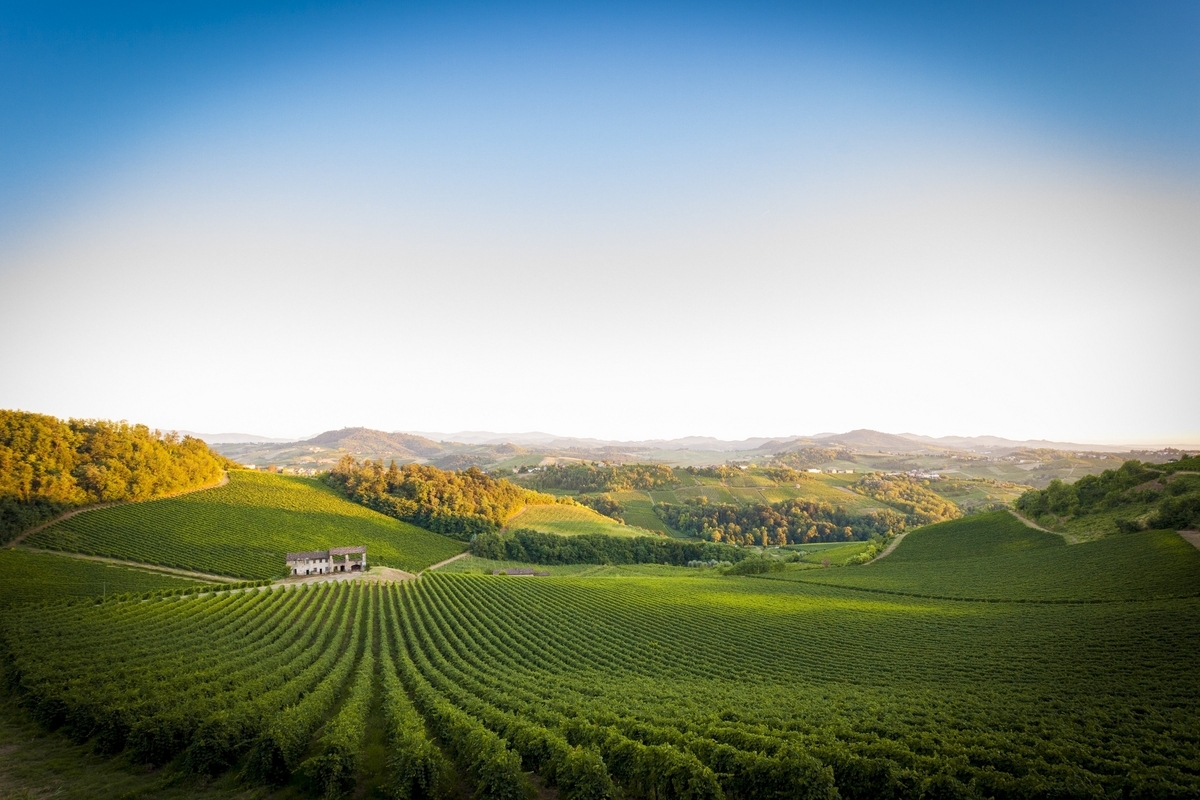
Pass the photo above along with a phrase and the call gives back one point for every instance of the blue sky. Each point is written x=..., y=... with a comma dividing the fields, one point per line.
x=573, y=217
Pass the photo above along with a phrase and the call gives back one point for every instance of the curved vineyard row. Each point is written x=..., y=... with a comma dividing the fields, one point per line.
x=244, y=529
x=641, y=687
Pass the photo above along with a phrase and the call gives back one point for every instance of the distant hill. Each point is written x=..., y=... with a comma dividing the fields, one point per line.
x=870, y=439
x=233, y=438
x=365, y=440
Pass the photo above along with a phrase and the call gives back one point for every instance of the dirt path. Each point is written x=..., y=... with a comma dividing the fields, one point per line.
x=1191, y=536
x=206, y=576
x=895, y=543
x=447, y=561
x=1030, y=523
x=22, y=536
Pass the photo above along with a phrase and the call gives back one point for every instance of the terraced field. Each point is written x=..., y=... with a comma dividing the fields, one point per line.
x=570, y=521
x=31, y=577
x=244, y=529
x=660, y=687
x=995, y=557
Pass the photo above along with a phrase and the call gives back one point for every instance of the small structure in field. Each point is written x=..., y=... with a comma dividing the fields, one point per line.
x=321, y=562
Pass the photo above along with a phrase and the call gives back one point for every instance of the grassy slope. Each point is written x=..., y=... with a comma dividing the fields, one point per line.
x=570, y=521
x=994, y=556
x=473, y=565
x=31, y=577
x=245, y=528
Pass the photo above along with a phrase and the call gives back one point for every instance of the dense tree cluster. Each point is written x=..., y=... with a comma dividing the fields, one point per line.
x=535, y=547
x=458, y=504
x=602, y=478
x=1135, y=486
x=920, y=504
x=48, y=465
x=603, y=505
x=788, y=522
x=806, y=457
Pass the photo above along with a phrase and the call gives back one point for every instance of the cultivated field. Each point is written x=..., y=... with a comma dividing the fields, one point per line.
x=570, y=521
x=30, y=577
x=244, y=529
x=996, y=557
x=1061, y=671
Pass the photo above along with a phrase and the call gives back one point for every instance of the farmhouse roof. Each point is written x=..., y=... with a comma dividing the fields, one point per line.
x=309, y=554
x=341, y=551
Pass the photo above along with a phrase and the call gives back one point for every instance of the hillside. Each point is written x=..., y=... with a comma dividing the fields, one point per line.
x=35, y=577
x=569, y=520
x=1136, y=496
x=48, y=466
x=244, y=529
x=650, y=686
x=996, y=557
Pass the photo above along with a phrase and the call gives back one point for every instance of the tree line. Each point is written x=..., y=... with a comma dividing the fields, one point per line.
x=49, y=465
x=535, y=547
x=1134, y=485
x=787, y=522
x=457, y=504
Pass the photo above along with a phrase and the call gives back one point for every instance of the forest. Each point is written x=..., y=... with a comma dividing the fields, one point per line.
x=48, y=466
x=535, y=547
x=920, y=505
x=602, y=478
x=788, y=522
x=456, y=504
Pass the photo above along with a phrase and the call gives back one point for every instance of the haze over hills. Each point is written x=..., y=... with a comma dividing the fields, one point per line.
x=426, y=444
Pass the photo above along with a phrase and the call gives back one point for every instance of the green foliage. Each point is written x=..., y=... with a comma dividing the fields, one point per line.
x=807, y=457
x=457, y=504
x=534, y=547
x=995, y=557
x=602, y=478
x=787, y=522
x=1185, y=464
x=333, y=768
x=1134, y=497
x=244, y=529
x=48, y=465
x=919, y=503
x=603, y=505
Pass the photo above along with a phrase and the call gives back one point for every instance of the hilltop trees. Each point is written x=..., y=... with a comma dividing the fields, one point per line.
x=457, y=504
x=596, y=478
x=48, y=465
x=789, y=522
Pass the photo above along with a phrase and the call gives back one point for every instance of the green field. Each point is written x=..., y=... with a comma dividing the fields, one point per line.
x=244, y=529
x=996, y=557
x=485, y=566
x=571, y=520
x=32, y=577
x=705, y=688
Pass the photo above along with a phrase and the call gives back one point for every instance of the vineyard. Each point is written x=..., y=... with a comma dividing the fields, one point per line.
x=643, y=686
x=244, y=529
x=995, y=557
x=31, y=577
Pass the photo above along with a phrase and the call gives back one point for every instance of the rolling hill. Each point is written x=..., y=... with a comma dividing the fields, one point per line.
x=244, y=529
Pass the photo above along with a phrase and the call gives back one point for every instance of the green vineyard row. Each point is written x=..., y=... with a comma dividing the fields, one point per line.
x=636, y=687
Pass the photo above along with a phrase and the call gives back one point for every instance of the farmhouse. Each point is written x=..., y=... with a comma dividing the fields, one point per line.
x=335, y=559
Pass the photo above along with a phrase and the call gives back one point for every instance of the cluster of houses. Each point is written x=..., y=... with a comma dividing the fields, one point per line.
x=832, y=471
x=322, y=562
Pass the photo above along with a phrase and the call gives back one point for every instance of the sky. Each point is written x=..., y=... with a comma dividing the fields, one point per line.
x=623, y=221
